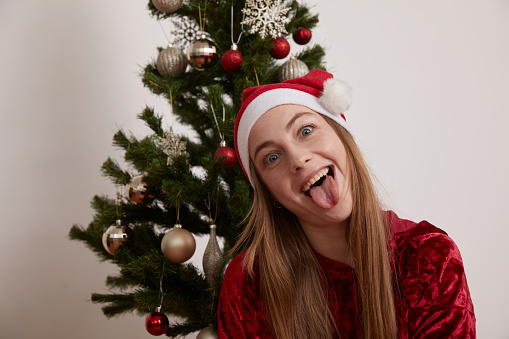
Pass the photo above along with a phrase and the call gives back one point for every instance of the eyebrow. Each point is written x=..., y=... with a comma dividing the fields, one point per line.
x=287, y=128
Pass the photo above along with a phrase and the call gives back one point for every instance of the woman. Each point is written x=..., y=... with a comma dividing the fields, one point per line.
x=324, y=260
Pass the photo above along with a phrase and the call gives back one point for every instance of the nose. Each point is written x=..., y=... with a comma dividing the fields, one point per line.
x=298, y=158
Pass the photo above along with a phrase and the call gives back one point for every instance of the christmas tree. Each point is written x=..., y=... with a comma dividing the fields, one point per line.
x=176, y=187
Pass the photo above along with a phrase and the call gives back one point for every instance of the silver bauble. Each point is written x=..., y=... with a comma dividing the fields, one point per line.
x=202, y=54
x=212, y=258
x=293, y=68
x=114, y=236
x=207, y=333
x=178, y=245
x=171, y=61
x=167, y=6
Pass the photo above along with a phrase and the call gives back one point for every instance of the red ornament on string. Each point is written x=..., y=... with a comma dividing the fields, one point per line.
x=232, y=60
x=280, y=48
x=157, y=323
x=227, y=155
x=302, y=36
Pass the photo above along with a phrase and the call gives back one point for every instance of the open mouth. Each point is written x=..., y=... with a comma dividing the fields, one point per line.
x=317, y=179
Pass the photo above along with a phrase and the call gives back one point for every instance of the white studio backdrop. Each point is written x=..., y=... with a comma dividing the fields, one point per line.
x=430, y=111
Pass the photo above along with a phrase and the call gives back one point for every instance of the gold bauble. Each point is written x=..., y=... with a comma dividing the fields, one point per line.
x=207, y=333
x=178, y=245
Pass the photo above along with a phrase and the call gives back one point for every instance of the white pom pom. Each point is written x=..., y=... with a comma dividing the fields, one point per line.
x=336, y=96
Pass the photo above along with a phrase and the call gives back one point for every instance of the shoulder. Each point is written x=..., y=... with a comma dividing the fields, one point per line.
x=237, y=278
x=429, y=265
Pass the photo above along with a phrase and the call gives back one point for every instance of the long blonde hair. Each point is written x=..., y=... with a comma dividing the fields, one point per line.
x=289, y=272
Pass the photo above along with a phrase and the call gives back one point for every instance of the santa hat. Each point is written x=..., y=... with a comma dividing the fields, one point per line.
x=317, y=90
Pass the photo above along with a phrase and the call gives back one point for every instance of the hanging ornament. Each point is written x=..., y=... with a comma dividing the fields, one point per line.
x=202, y=54
x=212, y=258
x=267, y=17
x=293, y=68
x=280, y=48
x=226, y=155
x=207, y=333
x=137, y=193
x=157, y=323
x=178, y=245
x=172, y=146
x=223, y=153
x=302, y=36
x=171, y=61
x=167, y=6
x=232, y=60
x=114, y=236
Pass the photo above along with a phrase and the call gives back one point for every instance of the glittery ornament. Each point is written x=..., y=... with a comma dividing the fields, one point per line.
x=171, y=61
x=137, y=193
x=202, y=54
x=293, y=68
x=207, y=333
x=232, y=60
x=114, y=236
x=226, y=155
x=172, y=146
x=267, y=17
x=157, y=323
x=212, y=258
x=302, y=36
x=167, y=6
x=280, y=48
x=178, y=245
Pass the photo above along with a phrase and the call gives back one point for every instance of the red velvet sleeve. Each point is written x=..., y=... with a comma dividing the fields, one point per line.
x=230, y=317
x=433, y=282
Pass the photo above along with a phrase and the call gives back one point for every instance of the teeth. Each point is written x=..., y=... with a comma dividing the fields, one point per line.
x=315, y=178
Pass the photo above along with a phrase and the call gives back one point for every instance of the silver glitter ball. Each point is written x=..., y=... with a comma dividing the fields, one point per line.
x=114, y=236
x=293, y=68
x=212, y=258
x=171, y=61
x=167, y=6
x=202, y=54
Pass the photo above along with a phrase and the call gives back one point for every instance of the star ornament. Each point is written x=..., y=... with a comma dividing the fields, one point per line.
x=266, y=17
x=172, y=146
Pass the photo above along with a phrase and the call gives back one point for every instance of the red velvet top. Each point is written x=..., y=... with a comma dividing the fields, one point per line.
x=433, y=300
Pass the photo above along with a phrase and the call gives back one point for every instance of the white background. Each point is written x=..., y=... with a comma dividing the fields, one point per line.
x=430, y=111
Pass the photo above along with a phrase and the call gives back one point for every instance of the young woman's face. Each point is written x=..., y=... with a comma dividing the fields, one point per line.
x=303, y=163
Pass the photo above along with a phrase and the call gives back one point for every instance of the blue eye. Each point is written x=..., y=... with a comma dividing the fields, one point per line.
x=305, y=131
x=271, y=158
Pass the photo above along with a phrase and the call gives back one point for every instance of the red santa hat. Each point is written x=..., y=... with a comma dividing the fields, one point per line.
x=317, y=90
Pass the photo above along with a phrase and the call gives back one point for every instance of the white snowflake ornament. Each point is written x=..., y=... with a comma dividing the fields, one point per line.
x=266, y=17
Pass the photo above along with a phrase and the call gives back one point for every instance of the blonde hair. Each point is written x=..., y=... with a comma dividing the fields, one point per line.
x=289, y=268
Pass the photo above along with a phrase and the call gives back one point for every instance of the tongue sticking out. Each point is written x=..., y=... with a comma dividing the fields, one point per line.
x=327, y=194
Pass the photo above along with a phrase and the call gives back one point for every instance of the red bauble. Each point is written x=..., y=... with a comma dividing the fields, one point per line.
x=227, y=155
x=280, y=49
x=157, y=323
x=302, y=36
x=232, y=60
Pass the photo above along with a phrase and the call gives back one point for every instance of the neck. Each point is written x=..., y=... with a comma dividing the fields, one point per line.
x=330, y=240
